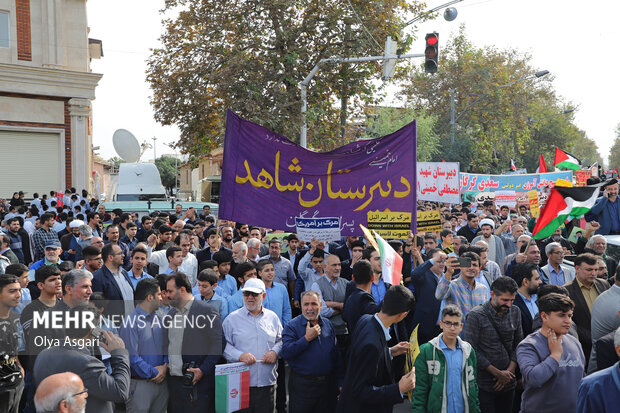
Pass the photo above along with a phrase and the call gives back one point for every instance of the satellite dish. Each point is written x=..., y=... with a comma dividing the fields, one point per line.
x=126, y=145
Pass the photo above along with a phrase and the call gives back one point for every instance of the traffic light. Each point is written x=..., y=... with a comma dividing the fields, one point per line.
x=431, y=53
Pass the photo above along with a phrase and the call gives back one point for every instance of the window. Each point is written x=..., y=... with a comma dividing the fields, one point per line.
x=5, y=27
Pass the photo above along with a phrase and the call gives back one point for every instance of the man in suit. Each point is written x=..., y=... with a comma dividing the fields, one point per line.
x=606, y=210
x=555, y=272
x=200, y=343
x=425, y=278
x=584, y=290
x=359, y=301
x=103, y=389
x=113, y=281
x=345, y=252
x=528, y=279
x=369, y=383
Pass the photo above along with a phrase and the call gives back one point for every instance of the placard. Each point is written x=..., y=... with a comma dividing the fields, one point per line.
x=438, y=182
x=395, y=225
x=508, y=198
x=534, y=203
x=321, y=229
x=428, y=221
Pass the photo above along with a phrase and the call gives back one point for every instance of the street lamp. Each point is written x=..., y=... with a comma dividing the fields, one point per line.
x=450, y=13
x=531, y=120
x=454, y=118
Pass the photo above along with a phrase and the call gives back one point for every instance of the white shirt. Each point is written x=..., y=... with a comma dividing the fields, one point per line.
x=189, y=266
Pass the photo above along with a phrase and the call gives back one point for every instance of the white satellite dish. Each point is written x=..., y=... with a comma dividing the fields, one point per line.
x=126, y=145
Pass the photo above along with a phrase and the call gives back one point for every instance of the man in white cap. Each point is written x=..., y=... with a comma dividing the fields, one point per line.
x=254, y=333
x=496, y=246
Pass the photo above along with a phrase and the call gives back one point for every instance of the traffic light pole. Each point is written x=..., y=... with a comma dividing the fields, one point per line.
x=304, y=84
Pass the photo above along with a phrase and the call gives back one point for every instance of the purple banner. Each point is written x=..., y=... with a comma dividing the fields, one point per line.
x=268, y=180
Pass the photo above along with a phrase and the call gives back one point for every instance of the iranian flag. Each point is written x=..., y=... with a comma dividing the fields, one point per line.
x=391, y=262
x=232, y=387
x=564, y=203
x=565, y=160
x=513, y=167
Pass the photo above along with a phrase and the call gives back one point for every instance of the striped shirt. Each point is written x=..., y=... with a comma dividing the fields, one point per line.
x=459, y=293
x=40, y=238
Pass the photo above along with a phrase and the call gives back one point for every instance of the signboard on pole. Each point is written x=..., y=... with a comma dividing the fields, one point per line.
x=581, y=176
x=321, y=229
x=534, y=204
x=395, y=225
x=438, y=182
x=508, y=198
x=428, y=221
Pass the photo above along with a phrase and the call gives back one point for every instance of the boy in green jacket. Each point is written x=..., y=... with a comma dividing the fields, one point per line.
x=445, y=370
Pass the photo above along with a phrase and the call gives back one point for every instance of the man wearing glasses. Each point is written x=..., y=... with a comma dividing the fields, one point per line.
x=445, y=369
x=51, y=394
x=555, y=272
x=254, y=333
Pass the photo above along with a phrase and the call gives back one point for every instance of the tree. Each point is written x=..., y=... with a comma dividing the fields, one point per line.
x=495, y=95
x=115, y=161
x=250, y=57
x=166, y=165
x=389, y=120
x=614, y=152
x=586, y=150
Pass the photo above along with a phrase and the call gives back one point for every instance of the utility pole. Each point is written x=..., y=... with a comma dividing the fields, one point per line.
x=154, y=149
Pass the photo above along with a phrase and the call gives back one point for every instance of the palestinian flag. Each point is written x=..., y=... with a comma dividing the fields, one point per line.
x=232, y=387
x=513, y=167
x=391, y=262
x=542, y=166
x=565, y=160
x=564, y=203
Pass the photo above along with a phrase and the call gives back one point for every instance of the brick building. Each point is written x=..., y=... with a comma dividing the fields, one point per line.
x=46, y=88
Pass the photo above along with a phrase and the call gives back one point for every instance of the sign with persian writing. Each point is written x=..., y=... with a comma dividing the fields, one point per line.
x=321, y=229
x=269, y=181
x=519, y=183
x=428, y=221
x=438, y=181
x=391, y=225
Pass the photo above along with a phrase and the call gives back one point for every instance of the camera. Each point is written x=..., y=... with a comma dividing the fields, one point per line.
x=188, y=376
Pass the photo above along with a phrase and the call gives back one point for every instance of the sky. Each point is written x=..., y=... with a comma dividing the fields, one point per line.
x=570, y=38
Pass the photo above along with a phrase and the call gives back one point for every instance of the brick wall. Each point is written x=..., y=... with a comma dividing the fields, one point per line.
x=66, y=126
x=24, y=44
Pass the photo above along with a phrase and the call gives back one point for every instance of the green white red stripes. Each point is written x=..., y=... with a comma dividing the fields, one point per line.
x=564, y=203
x=391, y=262
x=232, y=387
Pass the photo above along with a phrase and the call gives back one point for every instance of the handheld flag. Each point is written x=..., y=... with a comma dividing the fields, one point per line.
x=391, y=262
x=542, y=166
x=513, y=167
x=565, y=160
x=369, y=237
x=232, y=387
x=564, y=203
x=412, y=354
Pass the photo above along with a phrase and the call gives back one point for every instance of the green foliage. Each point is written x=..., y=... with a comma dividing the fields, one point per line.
x=502, y=111
x=250, y=57
x=114, y=161
x=168, y=172
x=389, y=120
x=614, y=152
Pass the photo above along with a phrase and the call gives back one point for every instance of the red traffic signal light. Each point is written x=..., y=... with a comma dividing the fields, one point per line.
x=431, y=53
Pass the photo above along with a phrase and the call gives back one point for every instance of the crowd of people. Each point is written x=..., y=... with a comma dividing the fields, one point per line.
x=504, y=322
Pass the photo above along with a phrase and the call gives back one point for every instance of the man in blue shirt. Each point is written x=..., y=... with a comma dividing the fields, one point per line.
x=528, y=279
x=309, y=347
x=207, y=283
x=277, y=301
x=606, y=211
x=244, y=272
x=144, y=338
x=138, y=265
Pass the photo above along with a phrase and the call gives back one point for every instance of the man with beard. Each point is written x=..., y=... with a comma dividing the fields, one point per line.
x=495, y=244
x=242, y=231
x=227, y=236
x=255, y=333
x=494, y=330
x=309, y=347
x=528, y=280
x=240, y=252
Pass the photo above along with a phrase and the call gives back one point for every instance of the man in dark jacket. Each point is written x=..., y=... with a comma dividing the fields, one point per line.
x=369, y=383
x=359, y=301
